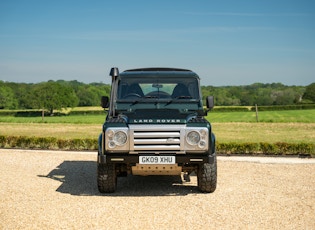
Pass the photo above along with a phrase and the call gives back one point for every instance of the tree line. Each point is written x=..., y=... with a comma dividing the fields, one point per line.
x=261, y=94
x=52, y=95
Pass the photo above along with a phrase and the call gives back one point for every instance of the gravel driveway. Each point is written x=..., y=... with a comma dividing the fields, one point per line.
x=57, y=190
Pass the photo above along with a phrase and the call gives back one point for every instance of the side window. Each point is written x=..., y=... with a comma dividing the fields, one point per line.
x=122, y=89
x=193, y=90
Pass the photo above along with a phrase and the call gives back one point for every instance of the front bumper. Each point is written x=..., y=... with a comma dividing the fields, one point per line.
x=134, y=159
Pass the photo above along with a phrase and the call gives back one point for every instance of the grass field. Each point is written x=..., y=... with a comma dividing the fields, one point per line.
x=284, y=116
x=277, y=126
x=225, y=132
x=75, y=119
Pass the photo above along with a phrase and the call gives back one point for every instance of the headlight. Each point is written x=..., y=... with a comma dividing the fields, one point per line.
x=120, y=138
x=193, y=138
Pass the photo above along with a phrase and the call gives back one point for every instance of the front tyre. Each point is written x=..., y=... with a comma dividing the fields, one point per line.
x=207, y=177
x=106, y=178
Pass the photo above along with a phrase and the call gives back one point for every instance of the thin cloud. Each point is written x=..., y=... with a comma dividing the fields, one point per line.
x=161, y=35
x=244, y=14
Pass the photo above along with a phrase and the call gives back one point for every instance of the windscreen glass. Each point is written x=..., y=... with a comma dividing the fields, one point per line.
x=145, y=88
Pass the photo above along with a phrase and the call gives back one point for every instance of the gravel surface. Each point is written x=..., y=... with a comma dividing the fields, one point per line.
x=57, y=190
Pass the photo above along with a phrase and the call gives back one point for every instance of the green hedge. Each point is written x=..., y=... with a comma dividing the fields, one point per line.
x=47, y=143
x=280, y=148
x=262, y=108
x=38, y=113
x=231, y=109
x=284, y=107
x=88, y=112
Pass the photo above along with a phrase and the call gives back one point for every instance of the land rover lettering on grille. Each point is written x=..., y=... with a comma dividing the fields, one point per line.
x=159, y=121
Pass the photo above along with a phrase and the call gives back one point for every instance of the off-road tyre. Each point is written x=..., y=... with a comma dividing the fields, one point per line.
x=106, y=178
x=207, y=177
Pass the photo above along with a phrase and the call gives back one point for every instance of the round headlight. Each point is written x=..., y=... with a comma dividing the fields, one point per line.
x=202, y=144
x=193, y=138
x=120, y=138
x=111, y=144
x=110, y=134
x=203, y=132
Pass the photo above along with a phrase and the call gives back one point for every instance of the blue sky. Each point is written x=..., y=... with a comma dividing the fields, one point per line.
x=225, y=42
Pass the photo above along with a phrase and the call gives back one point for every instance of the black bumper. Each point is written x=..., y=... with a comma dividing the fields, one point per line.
x=134, y=159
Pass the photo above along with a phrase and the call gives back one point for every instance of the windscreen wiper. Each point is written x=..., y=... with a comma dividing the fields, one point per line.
x=184, y=97
x=151, y=97
x=143, y=99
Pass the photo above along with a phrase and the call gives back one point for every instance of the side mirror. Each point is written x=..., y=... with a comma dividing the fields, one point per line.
x=104, y=102
x=210, y=102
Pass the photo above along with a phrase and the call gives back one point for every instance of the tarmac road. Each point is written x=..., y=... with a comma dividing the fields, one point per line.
x=57, y=190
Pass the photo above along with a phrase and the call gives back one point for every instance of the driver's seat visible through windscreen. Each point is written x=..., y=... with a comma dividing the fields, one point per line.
x=134, y=89
x=180, y=91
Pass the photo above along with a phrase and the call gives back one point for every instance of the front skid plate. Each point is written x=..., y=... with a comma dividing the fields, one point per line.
x=156, y=169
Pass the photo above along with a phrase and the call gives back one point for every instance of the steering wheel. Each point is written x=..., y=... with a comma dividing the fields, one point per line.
x=132, y=95
x=158, y=94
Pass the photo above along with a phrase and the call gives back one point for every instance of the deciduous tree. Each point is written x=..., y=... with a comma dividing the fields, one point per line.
x=7, y=99
x=52, y=95
x=310, y=92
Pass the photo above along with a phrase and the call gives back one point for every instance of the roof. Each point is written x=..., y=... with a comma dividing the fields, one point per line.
x=160, y=72
x=157, y=69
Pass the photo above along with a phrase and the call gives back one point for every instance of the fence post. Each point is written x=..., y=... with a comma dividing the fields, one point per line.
x=43, y=114
x=256, y=112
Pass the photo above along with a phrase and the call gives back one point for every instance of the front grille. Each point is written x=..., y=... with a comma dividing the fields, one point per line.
x=156, y=138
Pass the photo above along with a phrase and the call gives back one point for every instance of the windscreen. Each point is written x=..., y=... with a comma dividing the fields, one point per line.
x=157, y=88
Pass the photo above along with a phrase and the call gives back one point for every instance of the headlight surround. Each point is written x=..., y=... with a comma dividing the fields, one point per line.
x=197, y=139
x=117, y=139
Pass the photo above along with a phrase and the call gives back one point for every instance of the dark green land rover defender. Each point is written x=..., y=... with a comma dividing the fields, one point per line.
x=156, y=126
